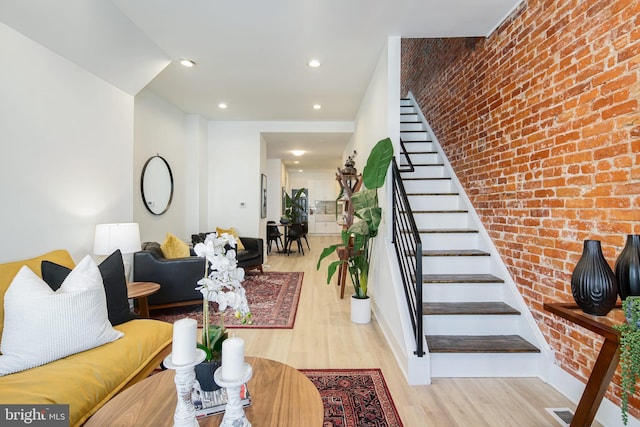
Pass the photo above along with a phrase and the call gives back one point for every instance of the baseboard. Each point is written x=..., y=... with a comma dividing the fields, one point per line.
x=609, y=413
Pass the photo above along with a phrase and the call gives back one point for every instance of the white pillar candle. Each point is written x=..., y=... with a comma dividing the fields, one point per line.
x=232, y=359
x=184, y=341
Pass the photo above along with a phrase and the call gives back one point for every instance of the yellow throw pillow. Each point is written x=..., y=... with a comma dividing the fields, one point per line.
x=234, y=233
x=173, y=247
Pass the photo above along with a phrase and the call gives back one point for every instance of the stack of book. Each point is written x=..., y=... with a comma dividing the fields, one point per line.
x=213, y=402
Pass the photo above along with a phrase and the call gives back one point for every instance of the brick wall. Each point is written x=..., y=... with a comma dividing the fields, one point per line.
x=541, y=122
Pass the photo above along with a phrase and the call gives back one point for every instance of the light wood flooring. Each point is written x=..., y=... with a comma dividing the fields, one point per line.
x=324, y=337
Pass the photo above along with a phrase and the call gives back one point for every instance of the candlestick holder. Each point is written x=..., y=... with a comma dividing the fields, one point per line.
x=234, y=412
x=185, y=414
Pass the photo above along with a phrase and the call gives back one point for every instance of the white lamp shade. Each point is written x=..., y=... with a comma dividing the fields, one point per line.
x=109, y=237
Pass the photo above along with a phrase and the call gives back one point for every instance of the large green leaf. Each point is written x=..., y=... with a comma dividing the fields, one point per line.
x=326, y=252
x=332, y=269
x=375, y=171
x=360, y=233
x=373, y=217
x=366, y=198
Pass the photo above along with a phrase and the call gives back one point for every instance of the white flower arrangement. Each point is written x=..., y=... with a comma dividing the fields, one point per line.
x=222, y=284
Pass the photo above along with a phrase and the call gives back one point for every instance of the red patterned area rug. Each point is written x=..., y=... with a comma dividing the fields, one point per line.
x=273, y=299
x=354, y=398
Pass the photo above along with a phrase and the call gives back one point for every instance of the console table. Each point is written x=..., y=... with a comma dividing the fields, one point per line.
x=280, y=395
x=606, y=362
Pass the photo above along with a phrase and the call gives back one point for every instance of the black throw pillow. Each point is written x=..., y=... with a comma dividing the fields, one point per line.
x=115, y=285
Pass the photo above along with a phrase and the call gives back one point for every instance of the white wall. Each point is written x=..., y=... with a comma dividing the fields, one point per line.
x=160, y=128
x=378, y=118
x=67, y=152
x=274, y=189
x=197, y=191
x=236, y=160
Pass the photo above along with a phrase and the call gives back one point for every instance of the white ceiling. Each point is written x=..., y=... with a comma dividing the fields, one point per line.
x=250, y=54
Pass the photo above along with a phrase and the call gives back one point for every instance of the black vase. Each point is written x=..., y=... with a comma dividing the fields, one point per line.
x=593, y=283
x=628, y=268
x=204, y=375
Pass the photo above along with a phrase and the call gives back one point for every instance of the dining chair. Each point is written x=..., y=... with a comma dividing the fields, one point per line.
x=305, y=230
x=273, y=235
x=295, y=234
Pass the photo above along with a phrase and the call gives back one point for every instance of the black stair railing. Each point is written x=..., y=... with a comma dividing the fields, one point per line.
x=408, y=167
x=408, y=245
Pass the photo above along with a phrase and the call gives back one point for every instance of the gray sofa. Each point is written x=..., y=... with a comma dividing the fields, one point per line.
x=178, y=277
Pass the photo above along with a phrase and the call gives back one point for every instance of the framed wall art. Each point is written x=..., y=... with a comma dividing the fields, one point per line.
x=263, y=196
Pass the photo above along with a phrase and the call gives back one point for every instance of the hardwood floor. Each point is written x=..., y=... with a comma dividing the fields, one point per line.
x=324, y=337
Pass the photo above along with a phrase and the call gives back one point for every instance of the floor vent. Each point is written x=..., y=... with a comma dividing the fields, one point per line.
x=562, y=415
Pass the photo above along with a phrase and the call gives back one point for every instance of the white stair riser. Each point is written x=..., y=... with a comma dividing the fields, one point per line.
x=449, y=241
x=427, y=186
x=427, y=172
x=471, y=325
x=485, y=364
x=442, y=220
x=405, y=102
x=416, y=146
x=411, y=117
x=462, y=292
x=430, y=203
x=414, y=136
x=424, y=159
x=406, y=109
x=458, y=264
x=405, y=127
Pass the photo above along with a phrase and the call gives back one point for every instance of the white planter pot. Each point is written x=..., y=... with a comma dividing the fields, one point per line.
x=360, y=310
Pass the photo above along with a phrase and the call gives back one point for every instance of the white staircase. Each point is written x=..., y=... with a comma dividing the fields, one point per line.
x=475, y=322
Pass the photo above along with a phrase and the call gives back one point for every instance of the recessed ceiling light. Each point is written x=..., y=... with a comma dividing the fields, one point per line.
x=317, y=106
x=314, y=63
x=296, y=162
x=222, y=105
x=300, y=170
x=187, y=63
x=297, y=152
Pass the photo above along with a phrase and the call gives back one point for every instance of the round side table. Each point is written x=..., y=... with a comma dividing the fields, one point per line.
x=140, y=291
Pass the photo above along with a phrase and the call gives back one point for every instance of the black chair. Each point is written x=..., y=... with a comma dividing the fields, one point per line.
x=296, y=233
x=273, y=235
x=305, y=229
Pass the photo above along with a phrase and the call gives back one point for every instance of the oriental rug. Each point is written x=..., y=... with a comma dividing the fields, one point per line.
x=354, y=398
x=273, y=300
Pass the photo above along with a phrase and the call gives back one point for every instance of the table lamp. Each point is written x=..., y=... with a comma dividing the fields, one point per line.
x=123, y=236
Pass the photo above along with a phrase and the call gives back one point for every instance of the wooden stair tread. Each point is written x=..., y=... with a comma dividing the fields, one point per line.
x=447, y=230
x=479, y=344
x=426, y=178
x=433, y=194
x=438, y=211
x=431, y=164
x=415, y=142
x=460, y=278
x=468, y=308
x=454, y=252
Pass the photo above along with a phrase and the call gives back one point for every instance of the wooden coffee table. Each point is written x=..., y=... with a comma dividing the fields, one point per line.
x=140, y=291
x=281, y=396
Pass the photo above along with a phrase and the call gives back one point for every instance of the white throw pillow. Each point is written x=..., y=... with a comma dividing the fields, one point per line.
x=41, y=325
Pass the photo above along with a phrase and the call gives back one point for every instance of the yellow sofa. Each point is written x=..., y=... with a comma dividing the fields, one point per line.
x=87, y=380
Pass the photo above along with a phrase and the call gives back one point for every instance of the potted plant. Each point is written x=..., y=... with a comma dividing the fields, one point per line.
x=292, y=207
x=357, y=238
x=629, y=351
x=222, y=285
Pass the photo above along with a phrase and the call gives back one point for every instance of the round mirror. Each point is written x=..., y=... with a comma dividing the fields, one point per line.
x=156, y=185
